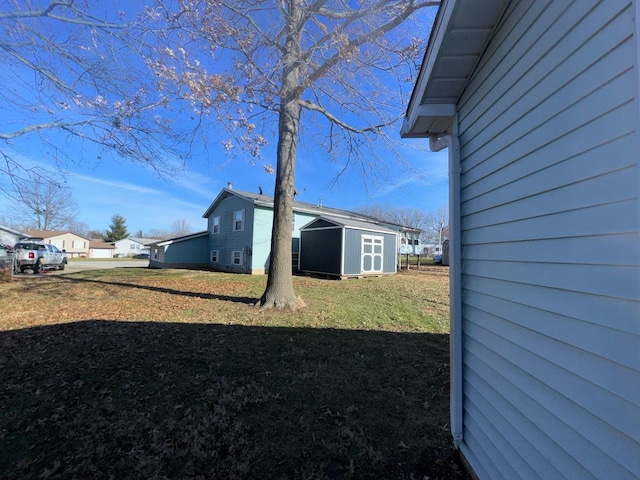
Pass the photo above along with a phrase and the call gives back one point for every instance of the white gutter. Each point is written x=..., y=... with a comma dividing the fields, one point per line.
x=455, y=279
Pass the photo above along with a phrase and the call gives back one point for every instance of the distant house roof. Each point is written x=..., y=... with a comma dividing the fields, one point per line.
x=181, y=238
x=99, y=244
x=320, y=210
x=12, y=231
x=141, y=240
x=51, y=233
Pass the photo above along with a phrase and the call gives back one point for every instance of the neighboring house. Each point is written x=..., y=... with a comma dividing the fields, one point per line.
x=410, y=241
x=130, y=246
x=9, y=236
x=75, y=245
x=431, y=249
x=538, y=104
x=187, y=251
x=100, y=249
x=346, y=247
x=239, y=224
x=239, y=233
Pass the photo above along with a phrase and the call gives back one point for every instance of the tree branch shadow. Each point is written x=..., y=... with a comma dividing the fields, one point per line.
x=171, y=291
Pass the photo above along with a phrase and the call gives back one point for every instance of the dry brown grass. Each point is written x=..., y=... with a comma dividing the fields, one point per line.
x=171, y=374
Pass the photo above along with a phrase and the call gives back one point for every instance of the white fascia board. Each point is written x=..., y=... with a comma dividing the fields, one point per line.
x=428, y=63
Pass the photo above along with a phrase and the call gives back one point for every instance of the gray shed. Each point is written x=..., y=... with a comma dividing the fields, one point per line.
x=347, y=248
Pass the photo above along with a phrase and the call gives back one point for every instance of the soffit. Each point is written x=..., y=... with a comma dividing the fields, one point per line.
x=459, y=36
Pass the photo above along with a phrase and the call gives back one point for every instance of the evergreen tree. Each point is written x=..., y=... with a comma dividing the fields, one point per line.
x=117, y=229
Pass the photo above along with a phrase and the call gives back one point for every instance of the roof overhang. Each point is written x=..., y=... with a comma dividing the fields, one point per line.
x=460, y=34
x=350, y=224
x=182, y=238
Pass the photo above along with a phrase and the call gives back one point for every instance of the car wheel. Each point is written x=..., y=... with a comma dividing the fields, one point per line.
x=61, y=266
x=37, y=268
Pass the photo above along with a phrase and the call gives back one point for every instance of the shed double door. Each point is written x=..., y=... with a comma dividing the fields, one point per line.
x=372, y=253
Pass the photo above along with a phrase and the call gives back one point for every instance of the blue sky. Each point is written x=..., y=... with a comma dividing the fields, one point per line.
x=103, y=185
x=150, y=202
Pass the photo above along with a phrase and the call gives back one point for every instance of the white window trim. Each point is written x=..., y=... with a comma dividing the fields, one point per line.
x=214, y=225
x=215, y=253
x=235, y=229
x=233, y=258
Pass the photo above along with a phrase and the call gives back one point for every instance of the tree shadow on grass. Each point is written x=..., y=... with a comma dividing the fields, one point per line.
x=170, y=291
x=105, y=399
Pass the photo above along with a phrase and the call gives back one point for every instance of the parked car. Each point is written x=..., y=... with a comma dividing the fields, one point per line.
x=141, y=255
x=31, y=255
x=437, y=259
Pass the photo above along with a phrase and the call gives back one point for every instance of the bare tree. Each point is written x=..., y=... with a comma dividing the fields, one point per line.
x=437, y=225
x=333, y=71
x=157, y=233
x=73, y=76
x=340, y=67
x=180, y=227
x=79, y=228
x=44, y=204
x=407, y=217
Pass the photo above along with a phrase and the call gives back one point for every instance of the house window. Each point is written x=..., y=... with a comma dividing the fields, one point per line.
x=236, y=257
x=214, y=256
x=372, y=253
x=216, y=225
x=293, y=221
x=132, y=246
x=77, y=244
x=238, y=220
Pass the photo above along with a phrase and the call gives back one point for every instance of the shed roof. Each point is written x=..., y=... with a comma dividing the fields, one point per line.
x=350, y=223
x=459, y=36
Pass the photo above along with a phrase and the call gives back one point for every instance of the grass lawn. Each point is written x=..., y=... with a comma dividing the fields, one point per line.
x=150, y=374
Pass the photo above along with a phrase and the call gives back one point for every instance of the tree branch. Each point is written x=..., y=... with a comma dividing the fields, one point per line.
x=335, y=120
x=45, y=126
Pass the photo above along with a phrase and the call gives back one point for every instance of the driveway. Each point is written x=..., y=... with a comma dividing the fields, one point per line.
x=84, y=265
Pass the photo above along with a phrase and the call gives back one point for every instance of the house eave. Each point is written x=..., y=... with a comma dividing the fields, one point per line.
x=182, y=238
x=459, y=36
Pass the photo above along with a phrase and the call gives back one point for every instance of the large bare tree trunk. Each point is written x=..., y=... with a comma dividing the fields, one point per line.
x=279, y=292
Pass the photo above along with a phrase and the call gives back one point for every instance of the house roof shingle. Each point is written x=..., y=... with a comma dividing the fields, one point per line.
x=51, y=233
x=267, y=201
x=99, y=244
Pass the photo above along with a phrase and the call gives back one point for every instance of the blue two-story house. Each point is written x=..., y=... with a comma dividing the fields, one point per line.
x=238, y=236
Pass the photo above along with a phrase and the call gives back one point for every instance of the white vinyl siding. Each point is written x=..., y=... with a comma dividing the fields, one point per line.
x=550, y=245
